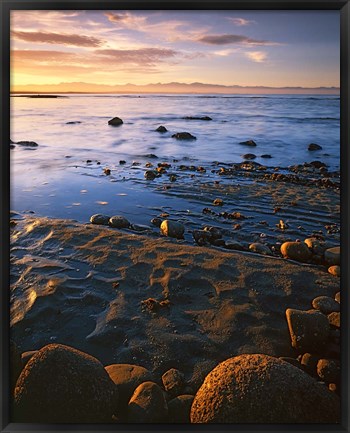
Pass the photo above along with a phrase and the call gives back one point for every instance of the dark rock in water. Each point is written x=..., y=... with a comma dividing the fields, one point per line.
x=116, y=121
x=147, y=404
x=122, y=162
x=314, y=146
x=156, y=222
x=325, y=304
x=12, y=146
x=262, y=389
x=107, y=171
x=184, y=136
x=173, y=381
x=266, y=155
x=309, y=330
x=127, y=377
x=202, y=237
x=172, y=229
x=197, y=118
x=150, y=174
x=100, y=219
x=249, y=156
x=151, y=155
x=248, y=143
x=63, y=385
x=27, y=143
x=119, y=222
x=45, y=96
x=215, y=232
x=329, y=370
x=317, y=164
x=161, y=128
x=76, y=122
x=179, y=408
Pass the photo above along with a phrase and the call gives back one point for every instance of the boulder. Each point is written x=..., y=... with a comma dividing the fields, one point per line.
x=334, y=319
x=259, y=248
x=249, y=156
x=248, y=143
x=298, y=251
x=60, y=384
x=325, y=304
x=184, y=136
x=266, y=155
x=116, y=121
x=148, y=404
x=162, y=129
x=309, y=330
x=197, y=118
x=233, y=245
x=329, y=370
x=309, y=362
x=334, y=270
x=127, y=377
x=314, y=146
x=172, y=229
x=316, y=246
x=100, y=219
x=259, y=388
x=332, y=256
x=119, y=222
x=27, y=143
x=180, y=408
x=150, y=174
x=173, y=381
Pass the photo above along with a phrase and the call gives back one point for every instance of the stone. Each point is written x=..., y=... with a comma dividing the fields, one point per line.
x=127, y=377
x=292, y=361
x=202, y=237
x=150, y=174
x=215, y=232
x=249, y=156
x=25, y=357
x=309, y=330
x=27, y=143
x=334, y=270
x=325, y=304
x=298, y=251
x=147, y=404
x=172, y=229
x=259, y=248
x=309, y=362
x=218, y=202
x=266, y=155
x=162, y=129
x=116, y=121
x=314, y=146
x=61, y=384
x=184, y=136
x=156, y=222
x=332, y=256
x=119, y=222
x=173, y=381
x=248, y=143
x=255, y=388
x=334, y=319
x=100, y=219
x=197, y=118
x=315, y=245
x=337, y=297
x=329, y=370
x=179, y=408
x=233, y=245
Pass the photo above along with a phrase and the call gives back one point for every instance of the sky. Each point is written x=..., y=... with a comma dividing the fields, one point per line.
x=244, y=48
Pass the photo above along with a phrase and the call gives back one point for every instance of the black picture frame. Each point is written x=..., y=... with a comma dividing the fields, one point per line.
x=6, y=7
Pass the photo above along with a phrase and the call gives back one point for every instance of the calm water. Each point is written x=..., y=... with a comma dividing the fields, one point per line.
x=55, y=180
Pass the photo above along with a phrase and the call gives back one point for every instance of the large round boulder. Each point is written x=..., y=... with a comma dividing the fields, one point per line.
x=147, y=404
x=332, y=256
x=60, y=384
x=298, y=251
x=172, y=229
x=263, y=389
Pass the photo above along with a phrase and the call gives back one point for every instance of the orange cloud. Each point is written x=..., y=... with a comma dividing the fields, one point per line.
x=257, y=56
x=58, y=38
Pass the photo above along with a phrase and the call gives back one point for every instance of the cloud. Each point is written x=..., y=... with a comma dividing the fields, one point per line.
x=233, y=39
x=58, y=38
x=127, y=20
x=240, y=21
x=256, y=56
x=139, y=56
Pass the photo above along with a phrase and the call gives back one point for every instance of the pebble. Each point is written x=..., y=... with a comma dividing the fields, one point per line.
x=332, y=256
x=150, y=174
x=259, y=248
x=184, y=136
x=314, y=146
x=100, y=219
x=334, y=319
x=329, y=370
x=119, y=222
x=334, y=270
x=173, y=381
x=309, y=330
x=161, y=128
x=248, y=143
x=298, y=251
x=116, y=121
x=172, y=229
x=325, y=304
x=218, y=202
x=147, y=404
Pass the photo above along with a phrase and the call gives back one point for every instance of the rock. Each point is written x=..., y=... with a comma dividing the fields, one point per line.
x=262, y=389
x=292, y=361
x=156, y=222
x=74, y=122
x=266, y=156
x=313, y=146
x=218, y=202
x=122, y=162
x=119, y=222
x=332, y=256
x=25, y=357
x=179, y=408
x=337, y=297
x=309, y=362
x=334, y=270
x=27, y=143
x=248, y=143
x=298, y=251
x=202, y=237
x=256, y=247
x=172, y=229
x=334, y=319
x=116, y=121
x=184, y=136
x=173, y=381
x=197, y=118
x=325, y=304
x=315, y=245
x=150, y=174
x=309, y=330
x=147, y=404
x=317, y=164
x=329, y=370
x=215, y=232
x=161, y=128
x=107, y=171
x=63, y=385
x=127, y=377
x=100, y=219
x=233, y=245
x=249, y=156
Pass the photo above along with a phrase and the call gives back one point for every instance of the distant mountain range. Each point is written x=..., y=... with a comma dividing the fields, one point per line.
x=81, y=87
